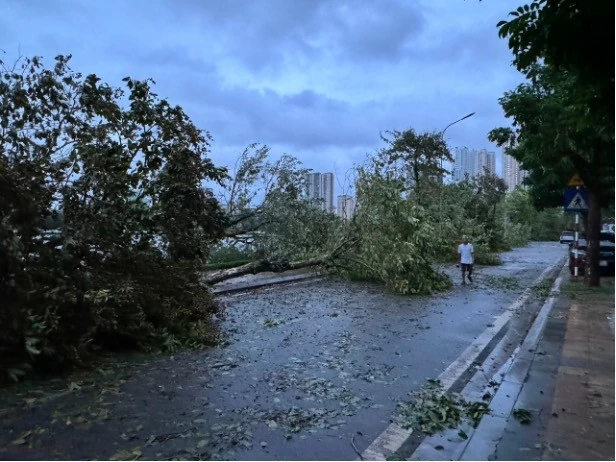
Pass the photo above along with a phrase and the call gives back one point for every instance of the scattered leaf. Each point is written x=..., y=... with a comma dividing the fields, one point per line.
x=271, y=424
x=22, y=438
x=127, y=454
x=203, y=443
x=524, y=416
x=73, y=386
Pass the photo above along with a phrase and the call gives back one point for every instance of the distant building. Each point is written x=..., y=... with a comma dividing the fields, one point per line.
x=327, y=192
x=512, y=173
x=320, y=187
x=313, y=185
x=464, y=164
x=346, y=207
x=471, y=163
x=485, y=160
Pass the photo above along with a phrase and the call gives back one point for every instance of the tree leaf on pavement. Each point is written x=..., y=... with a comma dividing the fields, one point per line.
x=22, y=438
x=127, y=454
x=524, y=416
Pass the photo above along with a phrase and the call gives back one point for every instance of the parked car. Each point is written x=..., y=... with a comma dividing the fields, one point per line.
x=567, y=237
x=606, y=252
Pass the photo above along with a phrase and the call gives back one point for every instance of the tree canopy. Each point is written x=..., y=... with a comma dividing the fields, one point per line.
x=564, y=118
x=125, y=170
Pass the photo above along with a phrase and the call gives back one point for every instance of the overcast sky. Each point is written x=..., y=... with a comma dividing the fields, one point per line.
x=318, y=79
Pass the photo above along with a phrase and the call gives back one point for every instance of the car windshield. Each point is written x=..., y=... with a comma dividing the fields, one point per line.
x=567, y=233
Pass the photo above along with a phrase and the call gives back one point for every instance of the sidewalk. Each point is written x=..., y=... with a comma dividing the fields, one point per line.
x=565, y=383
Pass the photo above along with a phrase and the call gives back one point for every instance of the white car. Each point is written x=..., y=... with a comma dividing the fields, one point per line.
x=567, y=237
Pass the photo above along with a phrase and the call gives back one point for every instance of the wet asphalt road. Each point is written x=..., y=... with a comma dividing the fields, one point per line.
x=305, y=367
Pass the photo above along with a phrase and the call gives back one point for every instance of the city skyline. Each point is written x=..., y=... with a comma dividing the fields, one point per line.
x=472, y=162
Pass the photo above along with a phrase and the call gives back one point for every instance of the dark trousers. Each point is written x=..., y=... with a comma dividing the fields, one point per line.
x=466, y=267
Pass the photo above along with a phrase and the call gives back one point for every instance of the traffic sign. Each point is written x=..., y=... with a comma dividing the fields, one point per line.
x=575, y=181
x=576, y=200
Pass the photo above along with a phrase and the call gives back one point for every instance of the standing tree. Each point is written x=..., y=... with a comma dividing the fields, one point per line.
x=419, y=156
x=572, y=92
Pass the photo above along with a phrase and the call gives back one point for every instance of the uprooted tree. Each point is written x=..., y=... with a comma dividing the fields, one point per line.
x=388, y=240
x=123, y=265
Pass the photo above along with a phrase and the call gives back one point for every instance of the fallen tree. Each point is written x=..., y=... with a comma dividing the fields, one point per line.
x=275, y=266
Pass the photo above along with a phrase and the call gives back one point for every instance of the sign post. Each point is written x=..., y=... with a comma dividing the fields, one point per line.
x=576, y=201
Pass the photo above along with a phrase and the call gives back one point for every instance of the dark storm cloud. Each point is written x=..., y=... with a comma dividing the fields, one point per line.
x=316, y=78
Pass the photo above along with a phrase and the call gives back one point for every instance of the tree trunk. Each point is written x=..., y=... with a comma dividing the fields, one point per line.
x=277, y=266
x=260, y=267
x=593, y=238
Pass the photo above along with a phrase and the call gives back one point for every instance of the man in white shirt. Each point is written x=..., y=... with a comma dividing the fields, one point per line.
x=466, y=252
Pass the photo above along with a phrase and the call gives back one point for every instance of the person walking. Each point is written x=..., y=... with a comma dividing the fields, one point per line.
x=467, y=252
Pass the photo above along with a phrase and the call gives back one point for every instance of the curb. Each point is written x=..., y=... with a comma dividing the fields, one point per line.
x=395, y=436
x=511, y=384
x=509, y=378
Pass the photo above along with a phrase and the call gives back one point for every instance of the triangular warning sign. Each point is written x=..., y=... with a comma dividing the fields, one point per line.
x=576, y=181
x=577, y=203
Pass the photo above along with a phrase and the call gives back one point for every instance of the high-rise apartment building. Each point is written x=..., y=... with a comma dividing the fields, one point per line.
x=346, y=206
x=327, y=192
x=472, y=163
x=320, y=187
x=485, y=160
x=464, y=163
x=313, y=185
x=512, y=173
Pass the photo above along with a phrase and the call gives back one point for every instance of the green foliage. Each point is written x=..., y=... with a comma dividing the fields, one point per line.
x=485, y=256
x=267, y=206
x=418, y=158
x=431, y=410
x=227, y=252
x=396, y=242
x=524, y=416
x=470, y=208
x=525, y=223
x=564, y=117
x=129, y=225
x=565, y=34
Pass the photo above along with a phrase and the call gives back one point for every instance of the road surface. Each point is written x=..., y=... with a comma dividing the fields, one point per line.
x=301, y=369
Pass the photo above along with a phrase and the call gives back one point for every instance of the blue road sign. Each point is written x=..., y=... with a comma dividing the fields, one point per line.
x=576, y=200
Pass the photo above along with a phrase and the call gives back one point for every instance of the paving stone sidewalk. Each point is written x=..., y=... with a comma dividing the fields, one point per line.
x=568, y=389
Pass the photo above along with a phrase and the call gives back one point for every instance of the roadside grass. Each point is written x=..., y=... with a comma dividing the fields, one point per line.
x=579, y=289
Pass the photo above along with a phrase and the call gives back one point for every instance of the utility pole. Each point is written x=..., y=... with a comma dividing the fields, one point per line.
x=440, y=208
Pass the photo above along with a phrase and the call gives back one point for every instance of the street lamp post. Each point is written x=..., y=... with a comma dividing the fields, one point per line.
x=440, y=209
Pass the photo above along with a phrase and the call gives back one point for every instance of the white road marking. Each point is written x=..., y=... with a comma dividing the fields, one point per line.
x=394, y=436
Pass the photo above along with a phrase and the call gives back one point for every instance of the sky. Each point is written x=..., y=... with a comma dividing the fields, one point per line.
x=317, y=79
